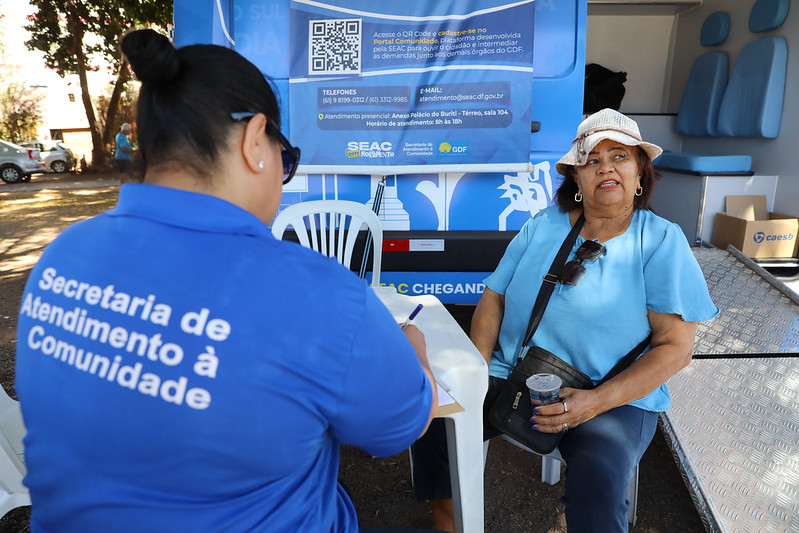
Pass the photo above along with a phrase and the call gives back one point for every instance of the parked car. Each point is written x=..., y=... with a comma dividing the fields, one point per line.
x=55, y=154
x=18, y=163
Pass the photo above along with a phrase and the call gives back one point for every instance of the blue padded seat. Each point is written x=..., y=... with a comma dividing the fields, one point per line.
x=752, y=103
x=704, y=163
x=701, y=99
x=768, y=15
x=715, y=29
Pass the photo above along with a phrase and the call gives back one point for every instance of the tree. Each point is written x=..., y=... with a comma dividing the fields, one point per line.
x=126, y=108
x=78, y=36
x=20, y=112
x=20, y=107
x=2, y=43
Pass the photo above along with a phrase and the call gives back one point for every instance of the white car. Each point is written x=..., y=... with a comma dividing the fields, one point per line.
x=18, y=163
x=55, y=154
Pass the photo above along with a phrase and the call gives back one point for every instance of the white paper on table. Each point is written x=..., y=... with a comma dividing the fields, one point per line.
x=444, y=397
x=446, y=403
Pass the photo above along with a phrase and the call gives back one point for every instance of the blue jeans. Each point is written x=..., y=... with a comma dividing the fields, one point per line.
x=600, y=457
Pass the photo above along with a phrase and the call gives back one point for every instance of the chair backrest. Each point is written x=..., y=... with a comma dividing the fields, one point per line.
x=12, y=466
x=331, y=227
x=767, y=15
x=699, y=108
x=704, y=90
x=752, y=103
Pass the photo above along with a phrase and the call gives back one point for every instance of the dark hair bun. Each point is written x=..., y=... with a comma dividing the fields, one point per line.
x=151, y=56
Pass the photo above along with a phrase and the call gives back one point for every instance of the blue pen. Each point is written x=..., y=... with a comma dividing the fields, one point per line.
x=412, y=316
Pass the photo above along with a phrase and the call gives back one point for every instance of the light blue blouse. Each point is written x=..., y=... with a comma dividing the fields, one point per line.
x=595, y=323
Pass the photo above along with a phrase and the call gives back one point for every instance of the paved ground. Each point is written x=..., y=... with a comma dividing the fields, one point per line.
x=516, y=500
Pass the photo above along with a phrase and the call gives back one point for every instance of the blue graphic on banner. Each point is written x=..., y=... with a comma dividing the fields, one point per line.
x=449, y=287
x=444, y=201
x=411, y=83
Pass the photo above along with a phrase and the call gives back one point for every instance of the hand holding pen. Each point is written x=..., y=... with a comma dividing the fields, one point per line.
x=411, y=316
x=416, y=338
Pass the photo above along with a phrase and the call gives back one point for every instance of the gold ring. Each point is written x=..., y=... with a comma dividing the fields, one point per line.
x=565, y=409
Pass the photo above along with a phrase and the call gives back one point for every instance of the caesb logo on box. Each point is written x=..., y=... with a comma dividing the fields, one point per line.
x=761, y=237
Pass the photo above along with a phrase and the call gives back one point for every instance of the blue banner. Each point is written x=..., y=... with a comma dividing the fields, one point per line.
x=394, y=87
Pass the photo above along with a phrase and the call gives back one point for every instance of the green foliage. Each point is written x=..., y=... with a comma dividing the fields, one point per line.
x=2, y=43
x=55, y=23
x=79, y=36
x=20, y=106
x=126, y=107
x=20, y=112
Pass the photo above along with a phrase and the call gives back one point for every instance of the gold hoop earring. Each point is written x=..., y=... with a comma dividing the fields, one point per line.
x=639, y=191
x=578, y=197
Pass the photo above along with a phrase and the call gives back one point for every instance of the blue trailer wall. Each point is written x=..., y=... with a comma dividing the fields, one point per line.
x=445, y=202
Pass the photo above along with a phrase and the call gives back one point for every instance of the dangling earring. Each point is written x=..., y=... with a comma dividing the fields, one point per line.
x=260, y=164
x=639, y=191
x=578, y=197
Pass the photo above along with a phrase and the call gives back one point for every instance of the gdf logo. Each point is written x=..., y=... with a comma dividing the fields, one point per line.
x=760, y=237
x=454, y=147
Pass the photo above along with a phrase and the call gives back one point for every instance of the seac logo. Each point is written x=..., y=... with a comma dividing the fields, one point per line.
x=368, y=149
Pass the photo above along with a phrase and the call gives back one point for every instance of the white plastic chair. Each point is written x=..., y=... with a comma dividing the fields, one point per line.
x=550, y=473
x=331, y=227
x=13, y=493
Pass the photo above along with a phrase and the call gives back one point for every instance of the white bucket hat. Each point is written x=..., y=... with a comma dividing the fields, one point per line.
x=604, y=124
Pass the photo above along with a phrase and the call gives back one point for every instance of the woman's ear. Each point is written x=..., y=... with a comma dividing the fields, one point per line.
x=254, y=143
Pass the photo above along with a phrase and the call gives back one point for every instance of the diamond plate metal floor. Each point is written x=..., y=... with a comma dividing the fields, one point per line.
x=734, y=420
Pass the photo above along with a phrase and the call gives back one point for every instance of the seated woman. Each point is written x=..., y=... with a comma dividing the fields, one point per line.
x=646, y=281
x=178, y=367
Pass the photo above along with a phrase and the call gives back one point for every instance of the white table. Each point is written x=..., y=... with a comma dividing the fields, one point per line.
x=459, y=367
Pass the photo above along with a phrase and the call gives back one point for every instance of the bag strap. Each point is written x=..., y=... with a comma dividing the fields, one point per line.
x=550, y=280
x=627, y=360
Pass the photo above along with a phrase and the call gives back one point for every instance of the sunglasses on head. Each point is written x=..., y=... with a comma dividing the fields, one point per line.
x=289, y=154
x=573, y=271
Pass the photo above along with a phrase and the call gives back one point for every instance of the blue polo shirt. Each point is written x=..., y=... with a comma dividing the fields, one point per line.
x=179, y=369
x=119, y=141
x=595, y=323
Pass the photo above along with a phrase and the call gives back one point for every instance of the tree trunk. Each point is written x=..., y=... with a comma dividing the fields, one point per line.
x=77, y=30
x=113, y=102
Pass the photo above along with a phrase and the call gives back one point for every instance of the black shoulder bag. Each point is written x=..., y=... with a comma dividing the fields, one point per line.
x=511, y=411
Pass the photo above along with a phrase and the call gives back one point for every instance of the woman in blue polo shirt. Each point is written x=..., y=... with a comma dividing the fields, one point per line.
x=178, y=368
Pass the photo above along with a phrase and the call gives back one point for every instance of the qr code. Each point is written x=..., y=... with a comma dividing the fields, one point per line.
x=334, y=46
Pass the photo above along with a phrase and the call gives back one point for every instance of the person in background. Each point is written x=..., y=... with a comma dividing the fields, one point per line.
x=639, y=277
x=180, y=369
x=123, y=152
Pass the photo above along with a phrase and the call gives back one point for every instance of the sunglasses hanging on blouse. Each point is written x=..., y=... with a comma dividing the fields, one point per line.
x=573, y=271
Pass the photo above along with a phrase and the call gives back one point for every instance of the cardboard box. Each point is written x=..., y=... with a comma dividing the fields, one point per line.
x=749, y=226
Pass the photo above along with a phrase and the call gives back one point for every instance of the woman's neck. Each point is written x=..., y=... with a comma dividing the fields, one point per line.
x=604, y=224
